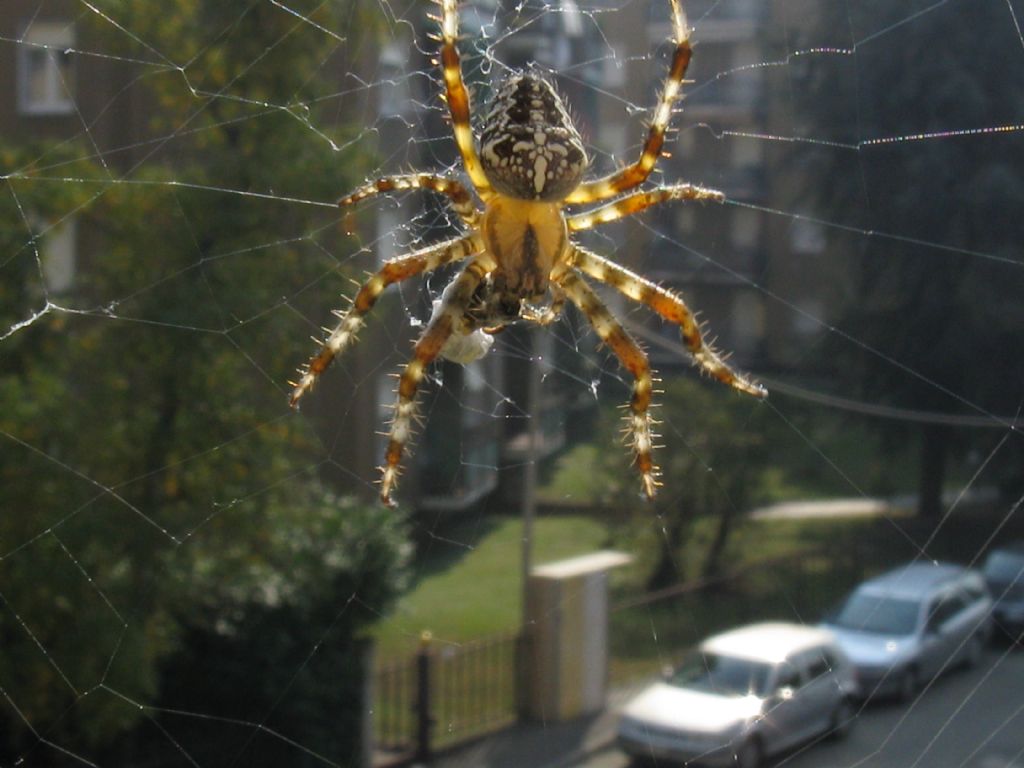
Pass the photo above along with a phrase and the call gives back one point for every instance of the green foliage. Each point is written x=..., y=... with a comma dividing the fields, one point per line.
x=714, y=463
x=721, y=456
x=939, y=327
x=30, y=209
x=272, y=635
x=705, y=428
x=573, y=477
x=160, y=517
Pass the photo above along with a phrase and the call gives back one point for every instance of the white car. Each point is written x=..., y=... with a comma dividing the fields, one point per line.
x=742, y=695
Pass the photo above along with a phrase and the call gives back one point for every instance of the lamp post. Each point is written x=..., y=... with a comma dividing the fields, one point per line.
x=528, y=502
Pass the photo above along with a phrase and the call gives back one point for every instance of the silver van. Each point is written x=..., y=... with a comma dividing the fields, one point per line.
x=742, y=695
x=906, y=626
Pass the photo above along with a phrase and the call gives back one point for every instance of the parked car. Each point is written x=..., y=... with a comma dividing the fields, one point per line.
x=742, y=695
x=904, y=627
x=1004, y=574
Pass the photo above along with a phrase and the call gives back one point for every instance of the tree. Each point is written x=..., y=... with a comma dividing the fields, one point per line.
x=164, y=524
x=270, y=664
x=934, y=309
x=715, y=464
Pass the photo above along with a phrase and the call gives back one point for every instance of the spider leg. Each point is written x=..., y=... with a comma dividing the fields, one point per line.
x=671, y=307
x=458, y=97
x=351, y=321
x=457, y=194
x=454, y=302
x=633, y=175
x=638, y=201
x=634, y=359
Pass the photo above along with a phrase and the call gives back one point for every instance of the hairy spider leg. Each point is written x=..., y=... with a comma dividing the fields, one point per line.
x=458, y=97
x=634, y=175
x=672, y=308
x=454, y=303
x=393, y=271
x=638, y=201
x=634, y=360
x=460, y=197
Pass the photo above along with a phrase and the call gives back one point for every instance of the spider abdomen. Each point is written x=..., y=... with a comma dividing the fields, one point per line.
x=526, y=240
x=529, y=147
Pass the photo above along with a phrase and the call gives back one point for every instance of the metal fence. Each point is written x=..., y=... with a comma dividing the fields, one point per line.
x=448, y=694
x=394, y=707
x=444, y=695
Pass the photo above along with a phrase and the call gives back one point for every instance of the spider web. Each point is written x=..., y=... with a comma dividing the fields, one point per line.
x=170, y=242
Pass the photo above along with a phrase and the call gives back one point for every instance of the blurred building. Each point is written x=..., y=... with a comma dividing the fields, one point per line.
x=724, y=259
x=39, y=101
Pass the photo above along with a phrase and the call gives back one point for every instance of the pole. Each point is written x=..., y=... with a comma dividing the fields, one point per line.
x=528, y=509
x=529, y=496
x=424, y=716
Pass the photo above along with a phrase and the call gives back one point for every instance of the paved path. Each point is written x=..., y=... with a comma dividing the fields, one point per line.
x=544, y=745
x=798, y=510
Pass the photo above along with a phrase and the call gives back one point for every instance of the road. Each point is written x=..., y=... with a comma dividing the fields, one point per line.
x=966, y=719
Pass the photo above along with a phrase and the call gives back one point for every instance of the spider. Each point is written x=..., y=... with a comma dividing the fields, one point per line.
x=527, y=165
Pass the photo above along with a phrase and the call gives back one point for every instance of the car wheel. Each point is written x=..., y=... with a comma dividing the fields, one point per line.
x=907, y=686
x=749, y=754
x=842, y=720
x=972, y=656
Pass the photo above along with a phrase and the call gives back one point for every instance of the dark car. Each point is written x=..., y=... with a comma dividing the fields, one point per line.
x=1004, y=574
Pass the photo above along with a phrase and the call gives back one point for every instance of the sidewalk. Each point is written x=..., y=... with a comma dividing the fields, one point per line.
x=543, y=745
x=822, y=508
x=863, y=506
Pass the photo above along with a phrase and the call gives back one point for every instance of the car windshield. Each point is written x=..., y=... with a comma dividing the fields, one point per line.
x=1004, y=567
x=724, y=675
x=877, y=613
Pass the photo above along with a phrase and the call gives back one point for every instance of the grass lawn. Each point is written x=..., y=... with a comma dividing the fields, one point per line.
x=467, y=585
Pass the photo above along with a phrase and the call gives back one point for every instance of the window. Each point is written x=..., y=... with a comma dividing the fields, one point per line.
x=1004, y=566
x=975, y=590
x=746, y=228
x=686, y=219
x=819, y=665
x=806, y=321
x=44, y=68
x=57, y=251
x=394, y=95
x=948, y=607
x=807, y=237
x=747, y=153
x=788, y=677
x=878, y=614
x=723, y=675
x=748, y=321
